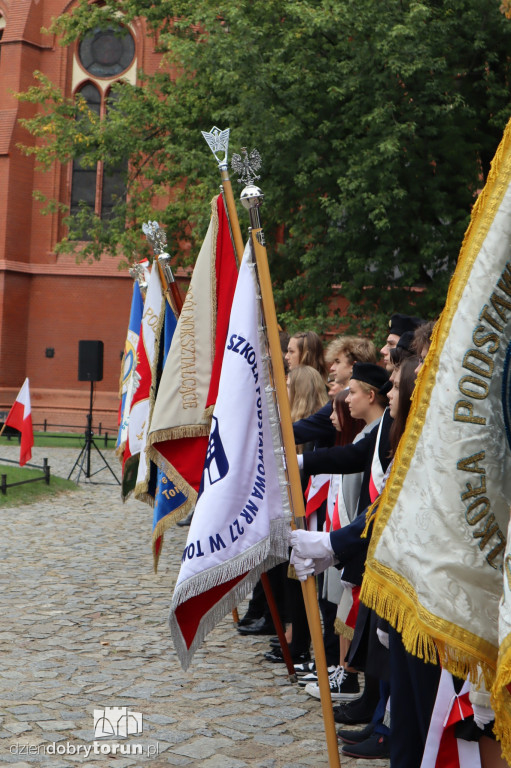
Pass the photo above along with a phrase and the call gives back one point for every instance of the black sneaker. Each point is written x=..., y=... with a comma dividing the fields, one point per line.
x=305, y=668
x=343, y=686
x=276, y=656
x=376, y=746
x=312, y=677
x=353, y=736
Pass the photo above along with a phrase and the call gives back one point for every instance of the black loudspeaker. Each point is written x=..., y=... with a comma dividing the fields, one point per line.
x=90, y=361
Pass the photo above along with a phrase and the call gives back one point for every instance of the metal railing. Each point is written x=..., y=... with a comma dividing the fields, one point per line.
x=96, y=429
x=4, y=485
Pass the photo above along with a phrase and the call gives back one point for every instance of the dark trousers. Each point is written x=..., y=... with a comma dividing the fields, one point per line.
x=328, y=613
x=413, y=689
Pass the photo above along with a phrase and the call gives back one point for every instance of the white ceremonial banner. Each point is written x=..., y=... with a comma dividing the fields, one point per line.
x=436, y=558
x=242, y=516
x=145, y=376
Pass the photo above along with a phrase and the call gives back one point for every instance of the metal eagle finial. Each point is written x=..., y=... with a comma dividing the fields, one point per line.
x=247, y=166
x=137, y=273
x=218, y=142
x=156, y=236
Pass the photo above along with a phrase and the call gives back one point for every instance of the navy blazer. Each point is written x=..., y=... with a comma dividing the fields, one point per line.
x=316, y=428
x=357, y=457
x=351, y=550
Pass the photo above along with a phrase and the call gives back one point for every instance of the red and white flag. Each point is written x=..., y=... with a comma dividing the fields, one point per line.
x=20, y=418
x=181, y=419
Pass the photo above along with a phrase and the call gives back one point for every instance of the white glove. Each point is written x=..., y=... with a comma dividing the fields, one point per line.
x=304, y=567
x=383, y=637
x=307, y=566
x=482, y=715
x=315, y=544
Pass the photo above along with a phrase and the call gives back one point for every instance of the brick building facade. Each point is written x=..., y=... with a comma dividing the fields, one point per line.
x=49, y=302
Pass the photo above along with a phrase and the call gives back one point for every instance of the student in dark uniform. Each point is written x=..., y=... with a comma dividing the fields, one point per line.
x=413, y=683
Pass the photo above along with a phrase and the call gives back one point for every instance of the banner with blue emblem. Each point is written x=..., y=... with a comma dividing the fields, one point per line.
x=239, y=526
x=128, y=366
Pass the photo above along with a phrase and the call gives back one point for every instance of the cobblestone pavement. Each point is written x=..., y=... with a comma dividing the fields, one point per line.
x=84, y=626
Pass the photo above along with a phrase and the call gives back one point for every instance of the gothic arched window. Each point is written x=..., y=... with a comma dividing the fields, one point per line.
x=106, y=56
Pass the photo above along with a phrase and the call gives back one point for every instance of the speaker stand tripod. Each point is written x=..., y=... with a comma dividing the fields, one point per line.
x=83, y=461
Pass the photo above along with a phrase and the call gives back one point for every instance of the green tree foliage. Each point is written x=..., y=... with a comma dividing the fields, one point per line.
x=376, y=123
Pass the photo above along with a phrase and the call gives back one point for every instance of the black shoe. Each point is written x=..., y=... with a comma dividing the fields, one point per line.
x=376, y=746
x=352, y=736
x=277, y=656
x=247, y=620
x=351, y=714
x=274, y=642
x=257, y=627
x=186, y=520
x=306, y=668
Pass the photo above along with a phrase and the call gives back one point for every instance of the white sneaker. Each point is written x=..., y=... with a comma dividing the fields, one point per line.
x=312, y=677
x=343, y=686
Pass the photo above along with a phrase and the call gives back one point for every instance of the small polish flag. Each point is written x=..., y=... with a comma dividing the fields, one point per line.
x=20, y=418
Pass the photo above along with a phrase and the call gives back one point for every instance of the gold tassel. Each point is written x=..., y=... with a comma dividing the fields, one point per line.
x=342, y=629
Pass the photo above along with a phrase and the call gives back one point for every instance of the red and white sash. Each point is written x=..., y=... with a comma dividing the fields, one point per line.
x=315, y=495
x=443, y=749
x=377, y=472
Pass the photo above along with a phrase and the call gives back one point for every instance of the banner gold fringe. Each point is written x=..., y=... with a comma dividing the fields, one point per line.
x=343, y=630
x=383, y=590
x=167, y=522
x=501, y=698
x=208, y=413
x=424, y=635
x=172, y=474
x=212, y=261
x=175, y=433
x=140, y=493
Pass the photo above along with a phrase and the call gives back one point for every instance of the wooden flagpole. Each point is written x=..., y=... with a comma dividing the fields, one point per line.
x=252, y=198
x=218, y=142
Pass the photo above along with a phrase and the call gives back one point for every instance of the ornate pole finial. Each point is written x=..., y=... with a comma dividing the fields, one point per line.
x=218, y=142
x=156, y=236
x=137, y=273
x=247, y=166
x=251, y=196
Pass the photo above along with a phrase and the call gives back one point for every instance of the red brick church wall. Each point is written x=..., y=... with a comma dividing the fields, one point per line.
x=49, y=301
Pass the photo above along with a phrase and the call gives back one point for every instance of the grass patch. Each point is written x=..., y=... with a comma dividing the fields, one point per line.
x=63, y=440
x=30, y=492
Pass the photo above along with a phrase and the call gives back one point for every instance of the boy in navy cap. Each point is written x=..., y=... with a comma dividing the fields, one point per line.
x=398, y=325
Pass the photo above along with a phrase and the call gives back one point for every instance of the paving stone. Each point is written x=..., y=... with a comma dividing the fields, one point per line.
x=57, y=725
x=273, y=739
x=201, y=748
x=161, y=719
x=222, y=761
x=95, y=634
x=17, y=727
x=230, y=733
